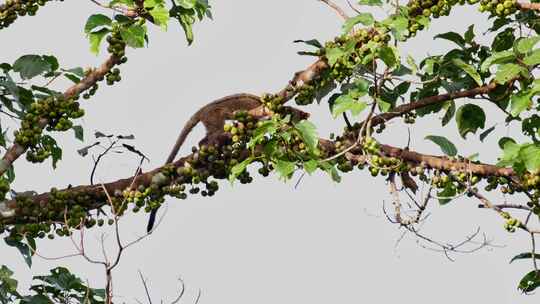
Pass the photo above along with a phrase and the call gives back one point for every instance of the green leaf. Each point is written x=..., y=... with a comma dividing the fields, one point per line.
x=402, y=88
x=239, y=168
x=423, y=20
x=78, y=71
x=446, y=146
x=529, y=282
x=505, y=140
x=450, y=111
x=399, y=26
x=529, y=154
x=56, y=152
x=504, y=40
x=384, y=105
x=533, y=58
x=186, y=23
x=73, y=78
x=161, y=16
x=153, y=3
x=308, y=132
x=447, y=194
x=10, y=174
x=96, y=38
x=525, y=255
x=333, y=55
x=519, y=102
x=485, y=134
x=29, y=66
x=389, y=56
x=310, y=166
x=363, y=18
x=370, y=2
x=510, y=152
x=468, y=69
x=525, y=45
x=429, y=64
x=335, y=175
x=53, y=62
x=79, y=132
x=469, y=34
x=331, y=170
x=469, y=119
x=473, y=157
x=187, y=4
x=412, y=64
x=96, y=21
x=285, y=168
x=497, y=58
x=268, y=127
x=8, y=286
x=23, y=248
x=63, y=282
x=346, y=103
x=311, y=42
x=452, y=36
x=134, y=35
x=39, y=299
x=509, y=71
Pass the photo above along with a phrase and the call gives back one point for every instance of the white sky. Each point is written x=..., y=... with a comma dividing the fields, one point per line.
x=265, y=242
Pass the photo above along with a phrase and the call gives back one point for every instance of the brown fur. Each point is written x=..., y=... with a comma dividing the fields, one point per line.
x=213, y=117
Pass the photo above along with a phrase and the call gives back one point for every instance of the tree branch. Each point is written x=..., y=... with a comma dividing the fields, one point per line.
x=16, y=150
x=409, y=107
x=336, y=8
x=98, y=193
x=529, y=6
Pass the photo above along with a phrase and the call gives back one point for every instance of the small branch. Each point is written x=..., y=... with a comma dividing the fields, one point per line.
x=452, y=248
x=145, y=287
x=96, y=161
x=508, y=206
x=198, y=297
x=336, y=8
x=424, y=102
x=353, y=7
x=181, y=294
x=533, y=251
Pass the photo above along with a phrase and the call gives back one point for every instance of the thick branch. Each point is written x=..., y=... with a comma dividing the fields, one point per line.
x=529, y=6
x=16, y=150
x=445, y=164
x=99, y=196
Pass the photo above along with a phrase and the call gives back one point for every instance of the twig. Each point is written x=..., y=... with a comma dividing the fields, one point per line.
x=198, y=297
x=336, y=8
x=96, y=161
x=353, y=7
x=508, y=206
x=145, y=288
x=181, y=294
x=533, y=252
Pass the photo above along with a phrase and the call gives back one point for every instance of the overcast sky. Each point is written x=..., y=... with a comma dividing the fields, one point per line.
x=266, y=242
